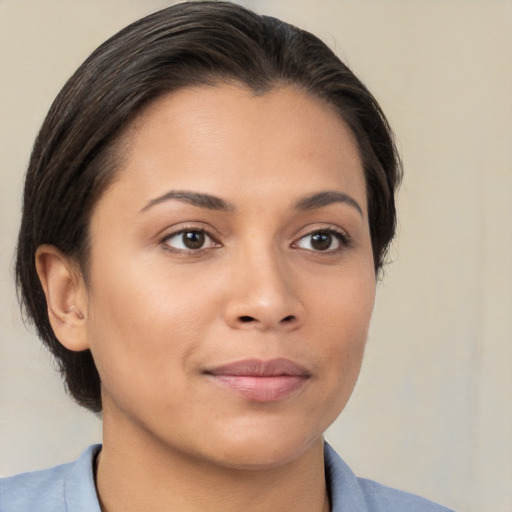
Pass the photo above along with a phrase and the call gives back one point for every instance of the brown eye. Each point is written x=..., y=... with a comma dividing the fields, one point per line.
x=322, y=241
x=193, y=239
x=189, y=240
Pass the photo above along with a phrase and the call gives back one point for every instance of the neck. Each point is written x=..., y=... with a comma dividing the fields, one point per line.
x=136, y=472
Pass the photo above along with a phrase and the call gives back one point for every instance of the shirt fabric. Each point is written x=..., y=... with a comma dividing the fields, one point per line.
x=70, y=488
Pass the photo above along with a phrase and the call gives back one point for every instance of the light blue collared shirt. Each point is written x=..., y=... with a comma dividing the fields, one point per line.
x=70, y=488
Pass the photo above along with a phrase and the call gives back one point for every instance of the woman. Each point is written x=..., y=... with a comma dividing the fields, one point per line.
x=206, y=209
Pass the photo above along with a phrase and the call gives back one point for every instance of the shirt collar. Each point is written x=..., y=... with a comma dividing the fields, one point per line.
x=345, y=492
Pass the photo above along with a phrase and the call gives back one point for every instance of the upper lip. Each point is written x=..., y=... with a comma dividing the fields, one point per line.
x=260, y=368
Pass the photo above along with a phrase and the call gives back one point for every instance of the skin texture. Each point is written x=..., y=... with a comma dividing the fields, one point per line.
x=158, y=317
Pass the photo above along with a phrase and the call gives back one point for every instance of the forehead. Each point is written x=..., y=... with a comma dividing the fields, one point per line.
x=226, y=139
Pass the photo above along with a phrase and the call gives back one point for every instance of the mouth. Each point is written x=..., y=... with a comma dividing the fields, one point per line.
x=261, y=381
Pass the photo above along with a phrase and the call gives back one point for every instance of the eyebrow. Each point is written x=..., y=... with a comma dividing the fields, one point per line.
x=210, y=202
x=194, y=198
x=325, y=199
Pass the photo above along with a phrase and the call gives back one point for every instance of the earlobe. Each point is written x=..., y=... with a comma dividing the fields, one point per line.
x=66, y=296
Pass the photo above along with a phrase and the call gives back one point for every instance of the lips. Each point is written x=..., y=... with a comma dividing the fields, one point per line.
x=261, y=381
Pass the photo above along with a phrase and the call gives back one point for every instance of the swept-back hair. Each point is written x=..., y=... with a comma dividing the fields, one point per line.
x=75, y=155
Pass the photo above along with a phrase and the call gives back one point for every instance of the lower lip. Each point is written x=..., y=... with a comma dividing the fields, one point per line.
x=262, y=389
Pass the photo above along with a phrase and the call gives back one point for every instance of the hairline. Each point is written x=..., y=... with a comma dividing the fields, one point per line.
x=114, y=153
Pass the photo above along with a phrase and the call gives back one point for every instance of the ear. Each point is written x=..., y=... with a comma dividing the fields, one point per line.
x=66, y=296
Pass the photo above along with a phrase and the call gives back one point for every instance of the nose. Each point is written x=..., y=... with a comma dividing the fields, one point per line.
x=262, y=295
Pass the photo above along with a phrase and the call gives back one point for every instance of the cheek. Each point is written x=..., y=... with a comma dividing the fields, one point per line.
x=343, y=306
x=343, y=313
x=143, y=331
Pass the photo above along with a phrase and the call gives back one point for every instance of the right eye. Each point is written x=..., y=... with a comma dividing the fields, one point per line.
x=189, y=240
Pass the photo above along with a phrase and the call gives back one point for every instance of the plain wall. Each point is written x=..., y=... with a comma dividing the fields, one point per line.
x=432, y=411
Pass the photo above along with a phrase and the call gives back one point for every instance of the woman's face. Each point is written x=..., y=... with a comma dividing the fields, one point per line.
x=231, y=279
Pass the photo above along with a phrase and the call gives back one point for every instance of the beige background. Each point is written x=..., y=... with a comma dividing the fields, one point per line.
x=432, y=412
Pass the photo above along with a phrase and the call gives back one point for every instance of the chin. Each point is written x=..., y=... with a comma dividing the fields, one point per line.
x=265, y=449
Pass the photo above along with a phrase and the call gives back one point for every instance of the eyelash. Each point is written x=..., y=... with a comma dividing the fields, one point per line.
x=186, y=250
x=342, y=239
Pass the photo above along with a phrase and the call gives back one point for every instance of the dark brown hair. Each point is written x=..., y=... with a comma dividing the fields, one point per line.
x=74, y=156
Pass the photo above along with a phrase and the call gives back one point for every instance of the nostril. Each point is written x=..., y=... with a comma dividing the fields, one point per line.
x=245, y=319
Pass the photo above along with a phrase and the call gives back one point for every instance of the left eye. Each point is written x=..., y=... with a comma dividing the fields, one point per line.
x=321, y=241
x=189, y=240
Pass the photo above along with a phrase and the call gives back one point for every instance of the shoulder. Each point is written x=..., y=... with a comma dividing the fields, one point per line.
x=37, y=490
x=52, y=489
x=384, y=499
x=349, y=492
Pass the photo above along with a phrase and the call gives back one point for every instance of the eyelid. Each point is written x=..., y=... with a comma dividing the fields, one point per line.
x=181, y=228
x=341, y=235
